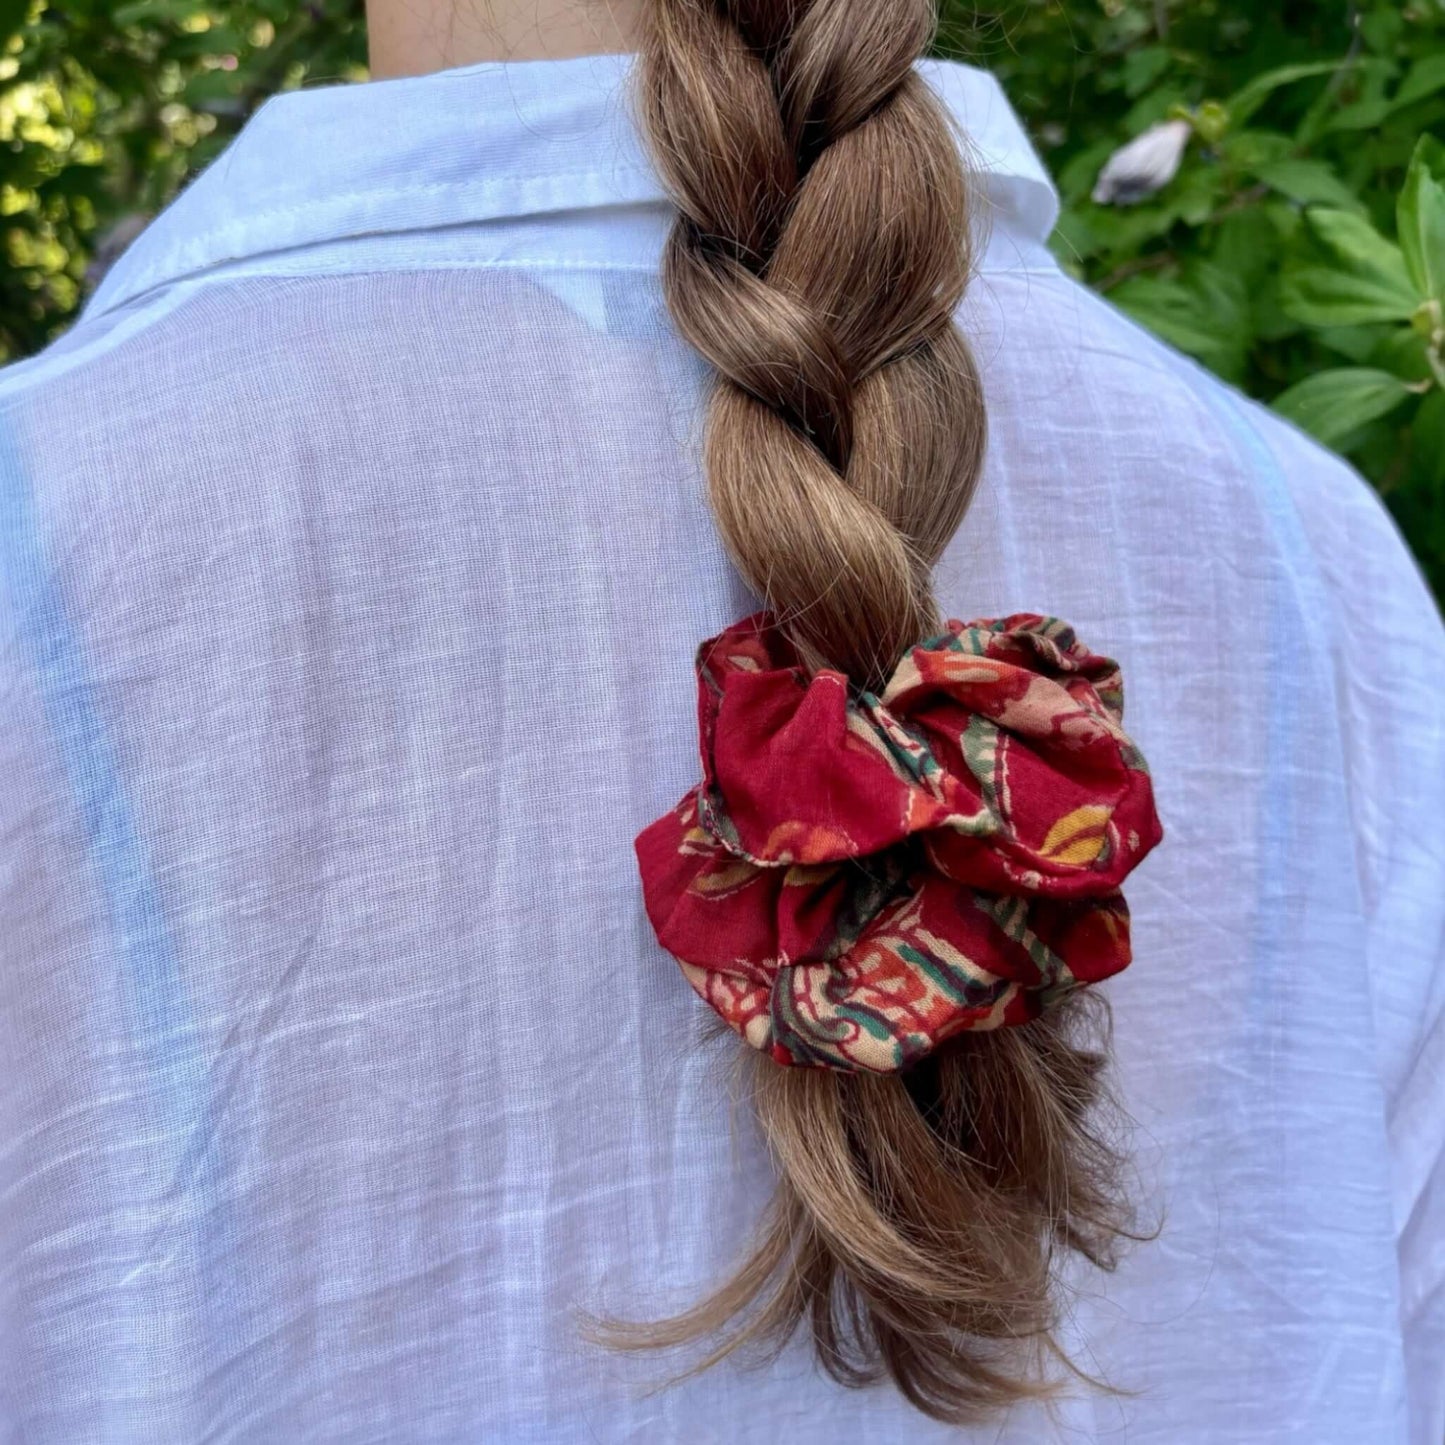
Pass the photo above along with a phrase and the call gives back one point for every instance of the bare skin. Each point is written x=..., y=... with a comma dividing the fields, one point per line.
x=413, y=37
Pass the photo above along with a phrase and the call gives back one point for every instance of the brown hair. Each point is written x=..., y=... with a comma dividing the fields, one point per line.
x=820, y=253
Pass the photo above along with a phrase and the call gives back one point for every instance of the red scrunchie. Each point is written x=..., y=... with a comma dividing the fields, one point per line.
x=858, y=877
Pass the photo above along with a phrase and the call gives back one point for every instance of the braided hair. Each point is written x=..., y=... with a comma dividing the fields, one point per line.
x=820, y=253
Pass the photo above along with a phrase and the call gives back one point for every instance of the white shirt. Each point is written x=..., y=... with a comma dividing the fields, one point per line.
x=353, y=552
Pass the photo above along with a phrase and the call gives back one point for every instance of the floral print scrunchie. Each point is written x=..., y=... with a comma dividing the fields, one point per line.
x=860, y=876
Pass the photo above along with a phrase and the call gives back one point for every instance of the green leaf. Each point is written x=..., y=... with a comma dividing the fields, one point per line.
x=1332, y=404
x=1170, y=310
x=1247, y=244
x=1427, y=444
x=1362, y=115
x=1308, y=182
x=1248, y=99
x=1364, y=79
x=1251, y=148
x=1421, y=217
x=1358, y=343
x=1325, y=296
x=1155, y=106
x=1380, y=29
x=1196, y=194
x=1074, y=240
x=1418, y=498
x=1403, y=352
x=1143, y=67
x=1206, y=313
x=1076, y=177
x=1364, y=278
x=1425, y=78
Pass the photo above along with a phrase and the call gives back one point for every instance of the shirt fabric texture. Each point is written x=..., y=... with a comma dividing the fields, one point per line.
x=353, y=554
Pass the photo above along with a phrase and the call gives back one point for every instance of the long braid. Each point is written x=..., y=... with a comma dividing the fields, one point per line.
x=819, y=256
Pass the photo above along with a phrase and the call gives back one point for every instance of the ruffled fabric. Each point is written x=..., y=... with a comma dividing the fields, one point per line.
x=860, y=876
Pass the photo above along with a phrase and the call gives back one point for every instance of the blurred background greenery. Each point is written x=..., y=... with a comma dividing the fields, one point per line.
x=1278, y=231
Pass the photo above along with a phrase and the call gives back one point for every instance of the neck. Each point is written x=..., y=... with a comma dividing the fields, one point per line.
x=413, y=37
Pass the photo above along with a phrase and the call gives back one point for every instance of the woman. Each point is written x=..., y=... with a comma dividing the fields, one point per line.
x=358, y=546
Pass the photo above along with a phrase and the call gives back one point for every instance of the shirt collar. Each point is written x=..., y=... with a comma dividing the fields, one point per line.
x=476, y=144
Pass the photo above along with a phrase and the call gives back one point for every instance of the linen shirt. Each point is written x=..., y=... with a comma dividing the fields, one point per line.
x=353, y=554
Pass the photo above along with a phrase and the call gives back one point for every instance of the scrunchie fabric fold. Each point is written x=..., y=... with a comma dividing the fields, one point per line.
x=859, y=877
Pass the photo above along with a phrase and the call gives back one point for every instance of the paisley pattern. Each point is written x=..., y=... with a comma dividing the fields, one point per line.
x=860, y=876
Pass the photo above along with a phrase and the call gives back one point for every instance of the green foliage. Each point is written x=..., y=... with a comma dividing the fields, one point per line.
x=106, y=108
x=1335, y=404
x=1299, y=251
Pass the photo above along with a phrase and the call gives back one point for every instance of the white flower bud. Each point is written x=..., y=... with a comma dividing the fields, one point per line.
x=1147, y=164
